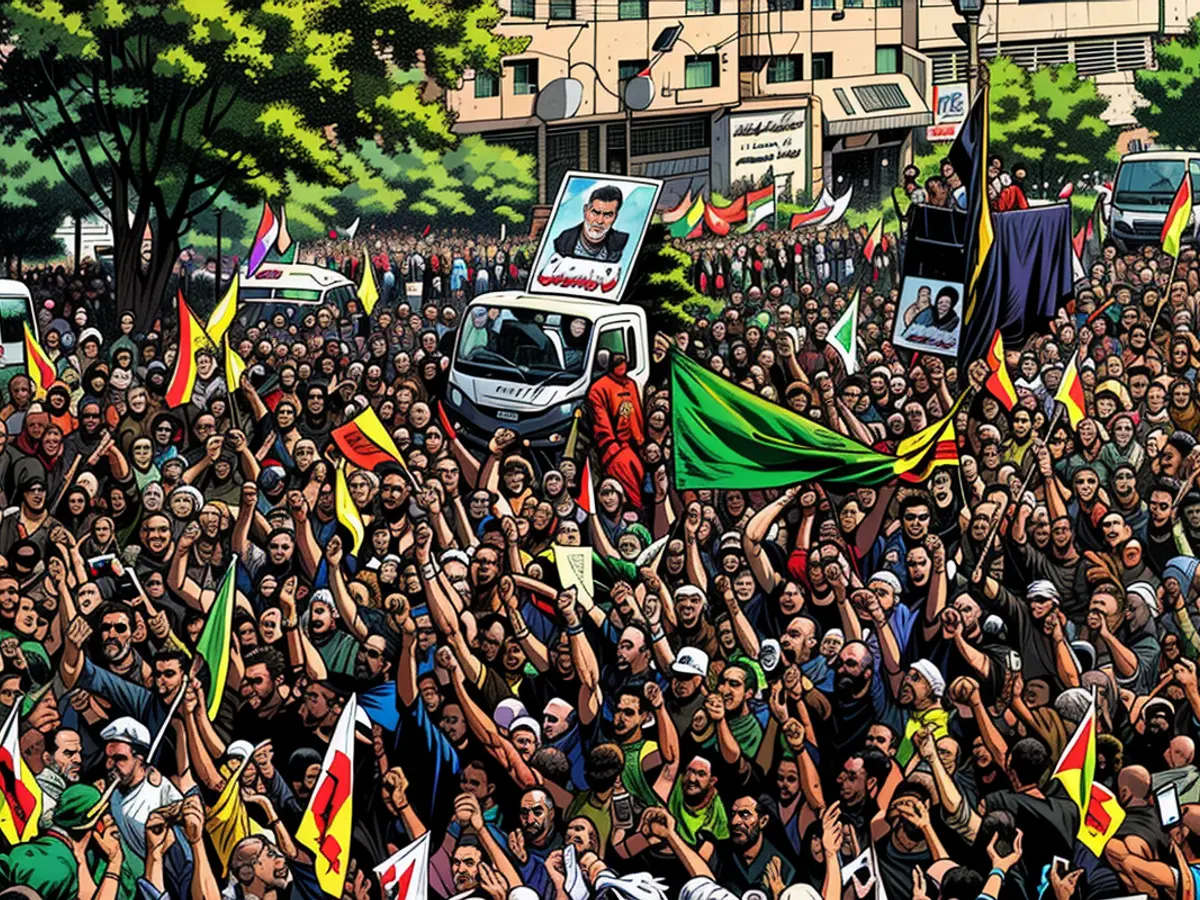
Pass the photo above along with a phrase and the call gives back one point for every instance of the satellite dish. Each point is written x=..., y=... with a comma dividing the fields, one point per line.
x=560, y=99
x=639, y=92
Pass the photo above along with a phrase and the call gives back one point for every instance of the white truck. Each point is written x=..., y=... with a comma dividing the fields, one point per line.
x=526, y=361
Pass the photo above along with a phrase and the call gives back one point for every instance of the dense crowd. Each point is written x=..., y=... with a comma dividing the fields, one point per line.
x=813, y=692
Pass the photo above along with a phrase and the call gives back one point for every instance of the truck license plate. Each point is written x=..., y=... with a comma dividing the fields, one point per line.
x=507, y=415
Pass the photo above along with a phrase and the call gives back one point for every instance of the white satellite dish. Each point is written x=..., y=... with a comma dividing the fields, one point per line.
x=560, y=99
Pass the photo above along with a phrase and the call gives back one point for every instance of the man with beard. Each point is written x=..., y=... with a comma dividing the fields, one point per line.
x=157, y=549
x=63, y=763
x=686, y=696
x=268, y=706
x=371, y=661
x=1037, y=628
x=921, y=694
x=1060, y=561
x=1163, y=529
x=741, y=864
x=912, y=842
x=692, y=628
x=859, y=699
x=1120, y=625
x=693, y=802
x=634, y=710
x=537, y=837
x=29, y=520
x=121, y=680
x=859, y=783
x=737, y=733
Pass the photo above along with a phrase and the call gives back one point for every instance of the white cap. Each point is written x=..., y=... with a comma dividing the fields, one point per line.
x=128, y=730
x=691, y=661
x=527, y=722
x=508, y=711
x=885, y=577
x=240, y=749
x=932, y=674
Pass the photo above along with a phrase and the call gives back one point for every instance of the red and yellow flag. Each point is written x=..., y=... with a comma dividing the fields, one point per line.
x=1070, y=394
x=999, y=384
x=191, y=339
x=38, y=366
x=1179, y=218
x=325, y=827
x=587, y=493
x=933, y=446
x=19, y=790
x=1100, y=815
x=365, y=441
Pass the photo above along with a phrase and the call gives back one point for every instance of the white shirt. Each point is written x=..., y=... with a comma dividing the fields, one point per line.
x=131, y=809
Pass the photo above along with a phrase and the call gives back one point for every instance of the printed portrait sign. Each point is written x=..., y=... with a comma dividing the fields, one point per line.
x=592, y=240
x=930, y=316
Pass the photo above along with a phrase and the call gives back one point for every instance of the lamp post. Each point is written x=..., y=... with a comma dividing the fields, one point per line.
x=970, y=10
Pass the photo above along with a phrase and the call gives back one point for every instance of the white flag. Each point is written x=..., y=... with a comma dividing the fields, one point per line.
x=405, y=875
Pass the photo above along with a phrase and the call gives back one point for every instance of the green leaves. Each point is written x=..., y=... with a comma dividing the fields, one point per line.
x=1049, y=119
x=1172, y=90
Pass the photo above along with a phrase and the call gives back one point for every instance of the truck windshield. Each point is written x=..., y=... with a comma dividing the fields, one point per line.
x=523, y=344
x=1148, y=182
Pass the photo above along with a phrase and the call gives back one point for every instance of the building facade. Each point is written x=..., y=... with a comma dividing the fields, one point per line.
x=810, y=93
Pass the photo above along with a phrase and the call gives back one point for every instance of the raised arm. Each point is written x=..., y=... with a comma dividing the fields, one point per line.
x=584, y=658
x=756, y=532
x=342, y=598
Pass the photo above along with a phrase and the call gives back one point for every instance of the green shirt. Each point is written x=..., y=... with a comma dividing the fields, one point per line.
x=599, y=814
x=47, y=865
x=689, y=823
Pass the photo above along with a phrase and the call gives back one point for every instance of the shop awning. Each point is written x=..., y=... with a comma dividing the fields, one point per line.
x=871, y=103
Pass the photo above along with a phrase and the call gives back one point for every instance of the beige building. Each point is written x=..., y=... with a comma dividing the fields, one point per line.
x=817, y=93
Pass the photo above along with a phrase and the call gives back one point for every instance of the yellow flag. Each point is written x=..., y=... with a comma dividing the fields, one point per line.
x=234, y=367
x=228, y=821
x=326, y=824
x=368, y=291
x=347, y=512
x=222, y=316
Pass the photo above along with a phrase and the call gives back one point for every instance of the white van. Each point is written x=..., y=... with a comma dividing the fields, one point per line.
x=526, y=361
x=1145, y=185
x=289, y=288
x=16, y=308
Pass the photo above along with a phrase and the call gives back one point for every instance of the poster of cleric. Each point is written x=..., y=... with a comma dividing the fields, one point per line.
x=591, y=242
x=930, y=316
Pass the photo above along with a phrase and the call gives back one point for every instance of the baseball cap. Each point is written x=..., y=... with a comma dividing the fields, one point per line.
x=690, y=661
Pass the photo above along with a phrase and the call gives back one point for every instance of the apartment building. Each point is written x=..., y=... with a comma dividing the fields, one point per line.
x=816, y=93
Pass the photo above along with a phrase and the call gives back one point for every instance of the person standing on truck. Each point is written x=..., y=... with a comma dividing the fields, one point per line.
x=619, y=427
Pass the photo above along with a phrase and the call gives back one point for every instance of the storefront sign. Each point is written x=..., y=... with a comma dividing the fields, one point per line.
x=950, y=104
x=749, y=145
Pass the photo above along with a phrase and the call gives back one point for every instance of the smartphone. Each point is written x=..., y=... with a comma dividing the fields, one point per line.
x=1061, y=866
x=99, y=566
x=1167, y=801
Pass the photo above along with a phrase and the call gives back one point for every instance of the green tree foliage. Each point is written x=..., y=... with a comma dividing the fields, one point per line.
x=1172, y=90
x=166, y=107
x=34, y=202
x=1048, y=119
x=661, y=284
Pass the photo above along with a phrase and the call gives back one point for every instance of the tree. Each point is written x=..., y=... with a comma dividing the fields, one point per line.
x=166, y=107
x=1172, y=90
x=33, y=204
x=1048, y=119
x=661, y=284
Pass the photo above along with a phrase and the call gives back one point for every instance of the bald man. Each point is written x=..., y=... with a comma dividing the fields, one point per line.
x=1183, y=773
x=1141, y=834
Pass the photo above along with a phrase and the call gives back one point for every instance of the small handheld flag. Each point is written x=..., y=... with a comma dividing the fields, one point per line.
x=347, y=512
x=226, y=309
x=191, y=339
x=264, y=240
x=587, y=493
x=1179, y=218
x=1070, y=394
x=999, y=384
x=327, y=823
x=234, y=367
x=213, y=645
x=843, y=336
x=37, y=364
x=19, y=790
x=405, y=874
x=368, y=291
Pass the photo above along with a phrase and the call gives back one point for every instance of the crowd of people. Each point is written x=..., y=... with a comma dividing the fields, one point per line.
x=812, y=692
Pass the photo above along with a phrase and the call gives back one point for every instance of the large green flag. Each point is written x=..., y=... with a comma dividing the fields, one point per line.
x=727, y=437
x=213, y=645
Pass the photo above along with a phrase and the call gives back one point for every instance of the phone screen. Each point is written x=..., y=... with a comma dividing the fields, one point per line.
x=1168, y=805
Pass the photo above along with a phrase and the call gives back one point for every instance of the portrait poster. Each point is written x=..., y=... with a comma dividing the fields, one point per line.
x=930, y=316
x=592, y=239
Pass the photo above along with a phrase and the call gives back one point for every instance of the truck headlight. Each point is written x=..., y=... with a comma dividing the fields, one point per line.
x=456, y=396
x=565, y=409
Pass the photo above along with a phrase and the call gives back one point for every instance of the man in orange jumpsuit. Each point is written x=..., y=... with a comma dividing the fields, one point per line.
x=618, y=426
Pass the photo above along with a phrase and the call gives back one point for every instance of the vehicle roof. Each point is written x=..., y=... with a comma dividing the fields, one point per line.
x=566, y=306
x=295, y=275
x=1168, y=155
x=12, y=286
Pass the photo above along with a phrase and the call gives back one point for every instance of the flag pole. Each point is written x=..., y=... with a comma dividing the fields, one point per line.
x=987, y=544
x=1162, y=301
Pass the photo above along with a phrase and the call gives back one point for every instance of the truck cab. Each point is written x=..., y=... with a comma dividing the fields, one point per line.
x=526, y=362
x=1143, y=190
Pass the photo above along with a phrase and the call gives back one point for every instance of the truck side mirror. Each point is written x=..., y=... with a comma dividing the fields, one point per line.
x=602, y=358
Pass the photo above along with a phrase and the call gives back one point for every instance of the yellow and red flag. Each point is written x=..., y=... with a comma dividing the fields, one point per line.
x=365, y=441
x=347, y=512
x=19, y=790
x=587, y=493
x=999, y=384
x=325, y=827
x=933, y=446
x=1070, y=394
x=1100, y=815
x=1179, y=218
x=191, y=338
x=37, y=364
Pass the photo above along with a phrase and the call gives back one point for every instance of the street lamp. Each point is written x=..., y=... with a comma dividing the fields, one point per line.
x=970, y=10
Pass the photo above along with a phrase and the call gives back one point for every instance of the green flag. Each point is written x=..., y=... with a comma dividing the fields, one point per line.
x=213, y=645
x=727, y=437
x=843, y=336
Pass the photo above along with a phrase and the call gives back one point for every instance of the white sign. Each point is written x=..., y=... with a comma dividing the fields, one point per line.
x=591, y=242
x=950, y=105
x=758, y=143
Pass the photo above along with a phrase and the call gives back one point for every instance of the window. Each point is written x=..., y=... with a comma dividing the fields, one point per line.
x=702, y=7
x=887, y=60
x=887, y=4
x=784, y=5
x=844, y=101
x=562, y=9
x=822, y=66
x=523, y=9
x=853, y=4
x=824, y=4
x=700, y=71
x=673, y=136
x=632, y=9
x=782, y=69
x=879, y=97
x=487, y=84
x=525, y=76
